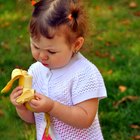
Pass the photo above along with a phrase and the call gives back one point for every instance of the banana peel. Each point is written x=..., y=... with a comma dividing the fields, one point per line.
x=25, y=80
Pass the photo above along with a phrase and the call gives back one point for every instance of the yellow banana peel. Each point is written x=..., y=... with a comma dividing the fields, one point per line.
x=25, y=80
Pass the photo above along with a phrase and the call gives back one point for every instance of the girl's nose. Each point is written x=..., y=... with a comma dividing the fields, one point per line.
x=43, y=56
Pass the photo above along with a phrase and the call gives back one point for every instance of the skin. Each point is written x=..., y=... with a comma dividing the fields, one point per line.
x=48, y=52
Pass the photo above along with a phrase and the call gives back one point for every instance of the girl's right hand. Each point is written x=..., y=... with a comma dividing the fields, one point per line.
x=14, y=95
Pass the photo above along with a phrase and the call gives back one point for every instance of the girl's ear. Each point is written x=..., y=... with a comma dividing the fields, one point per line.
x=78, y=44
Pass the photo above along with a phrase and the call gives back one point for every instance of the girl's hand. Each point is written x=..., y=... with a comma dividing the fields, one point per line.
x=14, y=95
x=41, y=103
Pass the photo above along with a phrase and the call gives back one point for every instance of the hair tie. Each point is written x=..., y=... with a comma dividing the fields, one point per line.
x=70, y=16
x=33, y=2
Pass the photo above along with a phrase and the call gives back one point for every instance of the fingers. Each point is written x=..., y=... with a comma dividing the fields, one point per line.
x=41, y=103
x=36, y=103
x=15, y=93
x=38, y=96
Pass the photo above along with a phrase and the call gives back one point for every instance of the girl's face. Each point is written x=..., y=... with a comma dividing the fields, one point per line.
x=52, y=53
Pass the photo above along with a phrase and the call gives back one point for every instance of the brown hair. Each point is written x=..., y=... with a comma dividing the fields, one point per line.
x=49, y=15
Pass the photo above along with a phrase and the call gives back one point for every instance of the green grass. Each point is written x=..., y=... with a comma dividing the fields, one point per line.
x=113, y=46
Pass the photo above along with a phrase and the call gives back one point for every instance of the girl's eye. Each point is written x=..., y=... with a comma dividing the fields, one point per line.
x=36, y=47
x=51, y=52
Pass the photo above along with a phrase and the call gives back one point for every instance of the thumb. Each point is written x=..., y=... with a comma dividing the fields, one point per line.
x=38, y=96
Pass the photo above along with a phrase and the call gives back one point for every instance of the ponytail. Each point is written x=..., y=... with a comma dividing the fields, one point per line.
x=77, y=18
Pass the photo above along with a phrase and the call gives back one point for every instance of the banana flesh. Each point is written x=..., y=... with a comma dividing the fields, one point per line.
x=28, y=92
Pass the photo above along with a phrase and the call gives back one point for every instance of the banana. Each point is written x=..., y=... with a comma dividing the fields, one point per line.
x=25, y=80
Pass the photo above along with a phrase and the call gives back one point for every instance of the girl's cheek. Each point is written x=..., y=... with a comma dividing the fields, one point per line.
x=35, y=55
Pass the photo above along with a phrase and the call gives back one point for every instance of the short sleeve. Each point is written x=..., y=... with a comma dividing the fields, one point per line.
x=88, y=84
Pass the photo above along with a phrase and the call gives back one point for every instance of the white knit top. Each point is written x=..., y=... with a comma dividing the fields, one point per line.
x=78, y=81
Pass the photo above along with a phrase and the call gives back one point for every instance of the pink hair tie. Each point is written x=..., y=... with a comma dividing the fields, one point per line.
x=70, y=16
x=33, y=2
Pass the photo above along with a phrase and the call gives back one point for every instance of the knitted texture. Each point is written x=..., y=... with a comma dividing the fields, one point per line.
x=78, y=81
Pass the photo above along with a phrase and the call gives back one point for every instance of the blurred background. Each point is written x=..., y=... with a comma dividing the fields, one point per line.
x=113, y=45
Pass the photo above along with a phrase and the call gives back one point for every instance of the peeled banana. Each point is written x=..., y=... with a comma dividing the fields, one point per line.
x=25, y=80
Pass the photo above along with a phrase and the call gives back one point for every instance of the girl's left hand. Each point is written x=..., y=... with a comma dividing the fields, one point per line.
x=41, y=103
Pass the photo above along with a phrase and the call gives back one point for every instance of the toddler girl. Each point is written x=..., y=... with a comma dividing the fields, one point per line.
x=68, y=87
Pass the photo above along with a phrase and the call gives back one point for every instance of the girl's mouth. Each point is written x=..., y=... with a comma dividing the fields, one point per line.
x=46, y=65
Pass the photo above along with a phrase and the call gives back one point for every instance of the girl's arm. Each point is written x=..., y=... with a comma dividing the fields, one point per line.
x=22, y=111
x=80, y=115
x=25, y=115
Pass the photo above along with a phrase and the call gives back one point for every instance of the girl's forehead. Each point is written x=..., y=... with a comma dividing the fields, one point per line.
x=57, y=32
x=57, y=40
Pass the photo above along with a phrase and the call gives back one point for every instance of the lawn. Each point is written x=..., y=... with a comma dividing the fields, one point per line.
x=113, y=45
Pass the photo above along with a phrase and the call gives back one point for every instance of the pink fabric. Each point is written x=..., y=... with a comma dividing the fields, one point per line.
x=46, y=138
